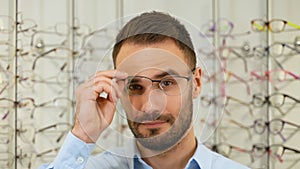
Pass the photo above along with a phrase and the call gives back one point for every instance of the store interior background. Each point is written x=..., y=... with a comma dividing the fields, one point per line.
x=44, y=55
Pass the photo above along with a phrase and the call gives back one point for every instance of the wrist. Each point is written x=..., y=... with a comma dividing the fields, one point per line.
x=82, y=135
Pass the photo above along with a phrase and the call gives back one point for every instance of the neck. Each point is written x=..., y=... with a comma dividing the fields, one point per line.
x=176, y=157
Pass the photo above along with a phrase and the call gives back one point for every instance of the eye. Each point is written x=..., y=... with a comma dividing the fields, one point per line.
x=168, y=82
x=135, y=87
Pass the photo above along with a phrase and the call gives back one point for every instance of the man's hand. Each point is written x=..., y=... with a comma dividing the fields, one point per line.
x=94, y=113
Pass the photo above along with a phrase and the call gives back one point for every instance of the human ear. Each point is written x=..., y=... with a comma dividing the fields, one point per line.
x=197, y=84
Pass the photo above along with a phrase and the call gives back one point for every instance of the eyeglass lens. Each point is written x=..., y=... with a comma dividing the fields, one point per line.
x=171, y=85
x=274, y=25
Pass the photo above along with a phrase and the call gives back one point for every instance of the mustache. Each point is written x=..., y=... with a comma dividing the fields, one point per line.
x=152, y=117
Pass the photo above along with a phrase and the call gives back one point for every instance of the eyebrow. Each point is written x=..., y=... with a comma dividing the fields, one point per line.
x=167, y=72
x=134, y=80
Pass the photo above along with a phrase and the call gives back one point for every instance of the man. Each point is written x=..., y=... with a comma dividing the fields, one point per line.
x=156, y=79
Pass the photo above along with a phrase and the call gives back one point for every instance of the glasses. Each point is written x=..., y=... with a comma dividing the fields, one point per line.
x=274, y=126
x=55, y=53
x=6, y=134
x=244, y=50
x=296, y=43
x=258, y=150
x=275, y=50
x=65, y=29
x=274, y=25
x=25, y=26
x=6, y=107
x=6, y=24
x=6, y=159
x=29, y=159
x=6, y=78
x=226, y=149
x=170, y=85
x=28, y=132
x=229, y=151
x=275, y=99
x=55, y=131
x=27, y=106
x=274, y=75
x=225, y=52
x=5, y=51
x=225, y=76
x=96, y=43
x=223, y=101
x=56, y=81
x=41, y=39
x=278, y=77
x=222, y=26
x=59, y=105
x=275, y=150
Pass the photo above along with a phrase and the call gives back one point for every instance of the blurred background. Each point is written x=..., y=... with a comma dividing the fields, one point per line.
x=253, y=80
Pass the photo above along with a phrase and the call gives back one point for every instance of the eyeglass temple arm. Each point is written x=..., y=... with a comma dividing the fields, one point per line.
x=42, y=55
x=293, y=25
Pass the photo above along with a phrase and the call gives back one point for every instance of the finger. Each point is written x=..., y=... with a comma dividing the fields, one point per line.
x=104, y=79
x=91, y=90
x=118, y=87
x=113, y=82
x=96, y=80
x=112, y=74
x=108, y=89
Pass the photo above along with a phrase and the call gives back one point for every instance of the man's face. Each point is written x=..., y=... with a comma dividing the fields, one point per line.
x=157, y=97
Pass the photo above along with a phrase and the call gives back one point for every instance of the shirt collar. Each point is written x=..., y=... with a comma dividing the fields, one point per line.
x=202, y=156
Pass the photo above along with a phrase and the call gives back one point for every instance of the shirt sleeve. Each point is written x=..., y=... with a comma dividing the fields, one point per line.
x=73, y=154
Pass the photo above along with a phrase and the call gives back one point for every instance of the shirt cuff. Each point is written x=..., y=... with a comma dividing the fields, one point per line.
x=74, y=153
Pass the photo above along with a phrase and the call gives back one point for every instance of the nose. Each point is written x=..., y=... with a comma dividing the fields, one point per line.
x=153, y=100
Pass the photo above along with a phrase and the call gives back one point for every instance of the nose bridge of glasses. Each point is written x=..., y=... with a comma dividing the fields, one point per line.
x=140, y=85
x=156, y=84
x=153, y=86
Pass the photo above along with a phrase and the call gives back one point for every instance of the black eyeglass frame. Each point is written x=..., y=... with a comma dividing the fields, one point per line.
x=130, y=78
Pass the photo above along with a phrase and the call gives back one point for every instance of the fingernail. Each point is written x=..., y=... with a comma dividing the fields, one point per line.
x=121, y=72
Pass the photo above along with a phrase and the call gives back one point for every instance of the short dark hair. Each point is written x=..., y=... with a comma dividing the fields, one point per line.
x=154, y=27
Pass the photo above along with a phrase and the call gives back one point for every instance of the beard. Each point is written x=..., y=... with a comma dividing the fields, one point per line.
x=163, y=141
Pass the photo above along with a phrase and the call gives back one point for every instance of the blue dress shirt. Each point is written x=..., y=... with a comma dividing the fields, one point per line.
x=75, y=154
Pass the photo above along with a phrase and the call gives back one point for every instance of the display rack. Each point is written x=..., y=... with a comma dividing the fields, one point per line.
x=45, y=54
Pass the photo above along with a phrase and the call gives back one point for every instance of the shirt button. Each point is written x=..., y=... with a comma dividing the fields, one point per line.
x=80, y=160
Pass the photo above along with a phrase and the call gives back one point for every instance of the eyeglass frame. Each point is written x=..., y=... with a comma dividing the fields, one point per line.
x=267, y=73
x=268, y=23
x=267, y=149
x=267, y=99
x=267, y=49
x=213, y=100
x=152, y=81
x=219, y=53
x=268, y=124
x=214, y=28
x=214, y=147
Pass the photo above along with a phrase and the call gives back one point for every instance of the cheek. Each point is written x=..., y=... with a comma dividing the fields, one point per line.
x=127, y=106
x=134, y=106
x=174, y=105
x=179, y=104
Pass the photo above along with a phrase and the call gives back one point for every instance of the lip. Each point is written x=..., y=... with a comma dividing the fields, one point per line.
x=153, y=124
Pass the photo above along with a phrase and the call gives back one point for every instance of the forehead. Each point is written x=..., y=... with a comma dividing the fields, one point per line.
x=165, y=56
